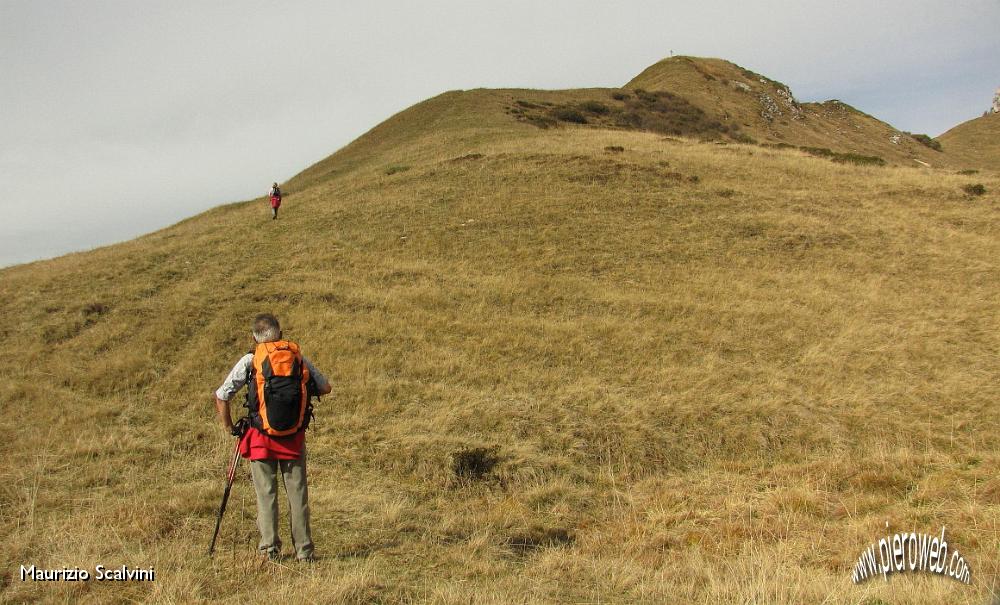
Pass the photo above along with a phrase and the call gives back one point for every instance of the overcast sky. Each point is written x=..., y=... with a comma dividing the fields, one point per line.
x=119, y=118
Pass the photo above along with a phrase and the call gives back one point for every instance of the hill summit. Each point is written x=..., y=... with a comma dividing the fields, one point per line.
x=768, y=112
x=708, y=99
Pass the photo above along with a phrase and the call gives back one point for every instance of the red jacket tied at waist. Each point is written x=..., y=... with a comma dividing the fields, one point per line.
x=255, y=445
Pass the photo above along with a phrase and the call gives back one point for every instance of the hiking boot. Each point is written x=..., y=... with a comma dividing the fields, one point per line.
x=308, y=559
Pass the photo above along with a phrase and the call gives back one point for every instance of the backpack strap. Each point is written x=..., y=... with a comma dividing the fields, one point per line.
x=250, y=403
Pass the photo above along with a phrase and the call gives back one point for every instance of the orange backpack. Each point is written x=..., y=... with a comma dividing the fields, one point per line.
x=278, y=389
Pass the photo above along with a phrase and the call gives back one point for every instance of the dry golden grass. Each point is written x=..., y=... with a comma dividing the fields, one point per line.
x=975, y=143
x=711, y=390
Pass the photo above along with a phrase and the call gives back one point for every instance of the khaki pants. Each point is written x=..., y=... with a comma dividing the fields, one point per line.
x=265, y=483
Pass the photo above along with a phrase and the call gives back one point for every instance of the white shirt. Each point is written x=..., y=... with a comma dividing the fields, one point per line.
x=238, y=377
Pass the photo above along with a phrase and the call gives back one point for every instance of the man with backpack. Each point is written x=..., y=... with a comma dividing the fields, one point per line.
x=275, y=196
x=280, y=383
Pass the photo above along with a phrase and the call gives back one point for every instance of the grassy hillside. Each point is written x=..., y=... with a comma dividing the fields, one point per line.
x=976, y=143
x=572, y=363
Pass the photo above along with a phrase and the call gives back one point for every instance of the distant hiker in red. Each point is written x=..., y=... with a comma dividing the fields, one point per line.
x=280, y=383
x=275, y=195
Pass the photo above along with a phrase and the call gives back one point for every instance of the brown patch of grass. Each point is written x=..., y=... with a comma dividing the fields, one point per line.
x=537, y=537
x=94, y=309
x=475, y=463
x=468, y=157
x=396, y=169
x=974, y=190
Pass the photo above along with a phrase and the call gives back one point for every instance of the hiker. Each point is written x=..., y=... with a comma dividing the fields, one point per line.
x=275, y=195
x=280, y=383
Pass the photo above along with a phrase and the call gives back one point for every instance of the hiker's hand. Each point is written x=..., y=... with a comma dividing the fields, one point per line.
x=240, y=428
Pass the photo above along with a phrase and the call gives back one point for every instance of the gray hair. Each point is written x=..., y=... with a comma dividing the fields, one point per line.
x=266, y=328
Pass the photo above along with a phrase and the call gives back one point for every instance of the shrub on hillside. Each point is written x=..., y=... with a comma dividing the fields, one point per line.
x=542, y=122
x=974, y=190
x=820, y=152
x=844, y=158
x=644, y=95
x=860, y=160
x=667, y=113
x=926, y=141
x=660, y=111
x=595, y=107
x=568, y=114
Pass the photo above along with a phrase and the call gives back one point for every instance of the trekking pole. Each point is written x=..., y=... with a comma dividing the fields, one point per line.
x=230, y=476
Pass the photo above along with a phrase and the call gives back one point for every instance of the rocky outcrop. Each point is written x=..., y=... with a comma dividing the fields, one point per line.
x=771, y=108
